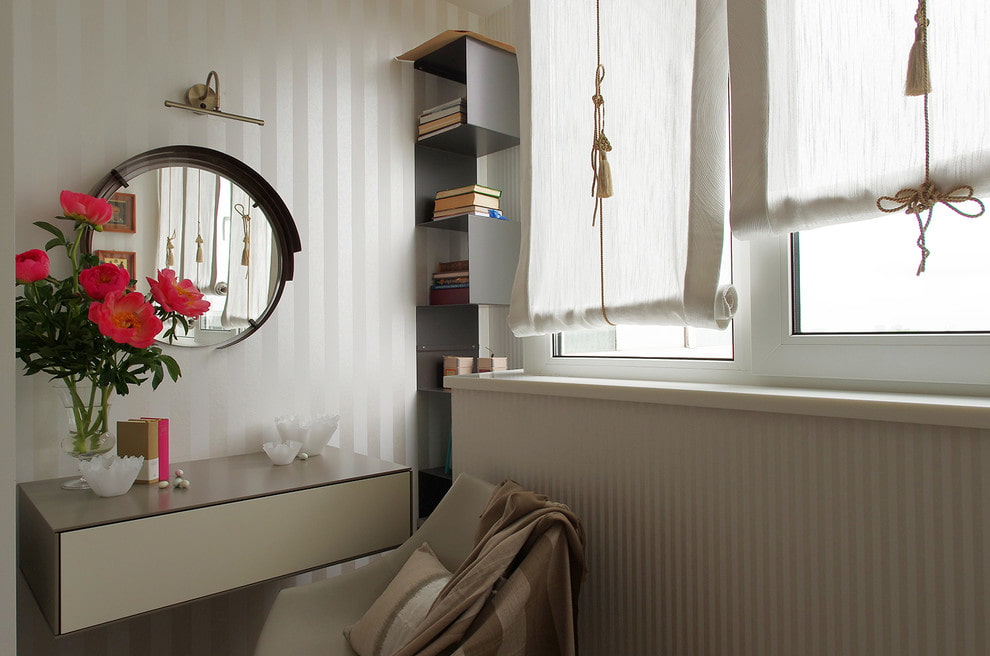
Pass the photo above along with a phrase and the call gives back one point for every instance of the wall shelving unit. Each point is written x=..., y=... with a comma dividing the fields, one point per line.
x=487, y=77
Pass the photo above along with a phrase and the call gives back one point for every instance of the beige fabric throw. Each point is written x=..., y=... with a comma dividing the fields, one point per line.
x=516, y=593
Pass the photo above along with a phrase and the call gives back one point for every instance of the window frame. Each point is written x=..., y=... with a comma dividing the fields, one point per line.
x=767, y=353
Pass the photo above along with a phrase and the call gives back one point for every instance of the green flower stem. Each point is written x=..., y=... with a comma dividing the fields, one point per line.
x=89, y=415
x=73, y=253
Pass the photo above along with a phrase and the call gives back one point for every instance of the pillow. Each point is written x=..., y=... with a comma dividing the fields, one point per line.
x=395, y=615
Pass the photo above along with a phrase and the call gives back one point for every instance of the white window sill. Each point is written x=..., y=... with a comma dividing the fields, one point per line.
x=961, y=411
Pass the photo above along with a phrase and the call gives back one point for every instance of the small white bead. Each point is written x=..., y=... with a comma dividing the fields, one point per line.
x=179, y=473
x=163, y=484
x=184, y=484
x=303, y=455
x=178, y=482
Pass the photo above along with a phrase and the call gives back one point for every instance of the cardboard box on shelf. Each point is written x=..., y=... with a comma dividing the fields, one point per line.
x=138, y=437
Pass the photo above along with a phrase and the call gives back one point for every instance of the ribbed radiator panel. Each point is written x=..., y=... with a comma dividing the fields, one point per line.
x=746, y=533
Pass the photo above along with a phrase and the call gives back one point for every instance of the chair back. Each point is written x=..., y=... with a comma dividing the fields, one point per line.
x=451, y=526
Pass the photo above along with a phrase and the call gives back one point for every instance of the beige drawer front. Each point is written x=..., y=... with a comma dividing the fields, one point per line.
x=113, y=571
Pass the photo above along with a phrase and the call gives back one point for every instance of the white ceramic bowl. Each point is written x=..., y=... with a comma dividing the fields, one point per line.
x=282, y=453
x=321, y=430
x=109, y=475
x=291, y=427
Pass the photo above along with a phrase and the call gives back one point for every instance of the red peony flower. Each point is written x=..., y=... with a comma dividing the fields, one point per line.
x=86, y=209
x=32, y=266
x=126, y=319
x=102, y=279
x=178, y=296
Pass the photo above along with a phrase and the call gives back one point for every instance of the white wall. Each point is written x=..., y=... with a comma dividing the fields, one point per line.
x=89, y=81
x=8, y=462
x=716, y=531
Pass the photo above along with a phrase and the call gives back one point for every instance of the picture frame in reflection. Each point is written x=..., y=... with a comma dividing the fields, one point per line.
x=124, y=259
x=123, y=214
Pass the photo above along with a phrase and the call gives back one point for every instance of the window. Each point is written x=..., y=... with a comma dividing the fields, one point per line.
x=768, y=352
x=861, y=277
x=853, y=314
x=668, y=342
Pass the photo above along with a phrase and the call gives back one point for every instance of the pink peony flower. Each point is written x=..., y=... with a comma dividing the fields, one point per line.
x=86, y=209
x=126, y=319
x=181, y=296
x=32, y=266
x=102, y=279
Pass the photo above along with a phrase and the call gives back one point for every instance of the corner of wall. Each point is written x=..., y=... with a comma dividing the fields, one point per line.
x=8, y=550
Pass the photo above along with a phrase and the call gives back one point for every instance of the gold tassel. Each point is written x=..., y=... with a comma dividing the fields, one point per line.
x=246, y=218
x=169, y=247
x=199, y=248
x=918, y=82
x=603, y=176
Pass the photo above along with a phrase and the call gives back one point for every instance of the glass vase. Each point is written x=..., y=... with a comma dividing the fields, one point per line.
x=88, y=409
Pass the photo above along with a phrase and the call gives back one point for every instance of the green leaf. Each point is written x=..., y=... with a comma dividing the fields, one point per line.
x=44, y=225
x=174, y=371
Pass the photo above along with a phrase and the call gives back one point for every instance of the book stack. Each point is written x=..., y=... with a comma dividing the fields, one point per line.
x=454, y=365
x=442, y=118
x=450, y=284
x=471, y=199
x=494, y=363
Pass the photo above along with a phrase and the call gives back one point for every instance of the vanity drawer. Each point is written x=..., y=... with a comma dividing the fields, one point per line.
x=141, y=561
x=155, y=562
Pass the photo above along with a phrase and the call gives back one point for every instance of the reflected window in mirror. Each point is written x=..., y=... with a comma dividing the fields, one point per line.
x=212, y=220
x=210, y=233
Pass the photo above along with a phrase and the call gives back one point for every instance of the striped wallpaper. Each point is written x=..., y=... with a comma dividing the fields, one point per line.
x=753, y=534
x=89, y=78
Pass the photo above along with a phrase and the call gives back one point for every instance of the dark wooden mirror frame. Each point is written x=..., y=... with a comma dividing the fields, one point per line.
x=263, y=194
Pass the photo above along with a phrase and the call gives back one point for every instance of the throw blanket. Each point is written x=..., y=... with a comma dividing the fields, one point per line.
x=516, y=593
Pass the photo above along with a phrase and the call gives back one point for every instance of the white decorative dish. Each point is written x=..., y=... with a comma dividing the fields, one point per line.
x=282, y=453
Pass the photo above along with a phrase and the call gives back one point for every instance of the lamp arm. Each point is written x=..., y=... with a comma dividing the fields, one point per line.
x=216, y=80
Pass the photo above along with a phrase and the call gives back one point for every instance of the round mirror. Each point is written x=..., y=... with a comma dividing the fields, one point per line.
x=211, y=219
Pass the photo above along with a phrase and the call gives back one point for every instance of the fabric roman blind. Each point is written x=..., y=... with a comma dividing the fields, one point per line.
x=666, y=103
x=249, y=284
x=820, y=124
x=187, y=207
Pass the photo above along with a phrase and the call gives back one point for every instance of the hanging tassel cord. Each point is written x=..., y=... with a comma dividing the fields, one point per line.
x=199, y=185
x=923, y=199
x=601, y=184
x=918, y=82
x=246, y=253
x=169, y=247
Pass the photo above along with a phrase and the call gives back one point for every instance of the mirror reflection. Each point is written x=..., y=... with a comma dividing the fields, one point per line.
x=207, y=229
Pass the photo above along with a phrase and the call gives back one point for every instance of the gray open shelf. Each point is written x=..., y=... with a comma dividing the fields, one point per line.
x=488, y=78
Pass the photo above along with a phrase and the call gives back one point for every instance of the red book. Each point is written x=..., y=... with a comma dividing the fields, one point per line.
x=455, y=296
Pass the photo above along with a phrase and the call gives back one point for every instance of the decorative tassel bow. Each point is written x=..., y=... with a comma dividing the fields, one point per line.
x=601, y=184
x=169, y=247
x=246, y=253
x=926, y=196
x=924, y=199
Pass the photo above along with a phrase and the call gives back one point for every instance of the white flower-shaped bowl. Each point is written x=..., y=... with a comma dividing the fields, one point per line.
x=282, y=453
x=291, y=427
x=321, y=430
x=109, y=475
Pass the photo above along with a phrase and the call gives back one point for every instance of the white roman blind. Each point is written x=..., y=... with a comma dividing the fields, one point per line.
x=187, y=208
x=820, y=124
x=666, y=96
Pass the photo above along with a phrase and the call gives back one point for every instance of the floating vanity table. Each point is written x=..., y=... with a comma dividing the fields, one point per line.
x=90, y=560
